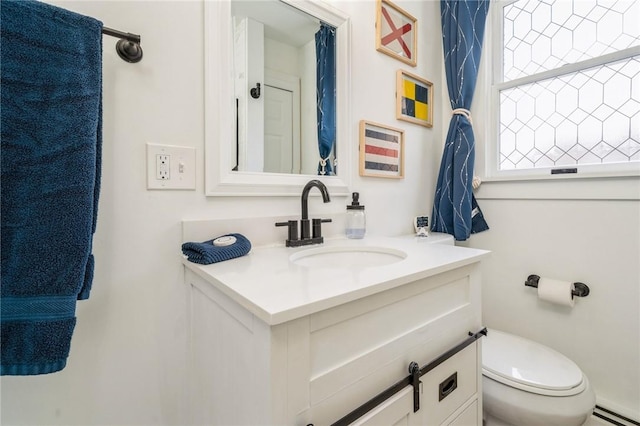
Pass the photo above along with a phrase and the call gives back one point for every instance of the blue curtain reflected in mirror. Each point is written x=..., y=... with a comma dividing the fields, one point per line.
x=326, y=96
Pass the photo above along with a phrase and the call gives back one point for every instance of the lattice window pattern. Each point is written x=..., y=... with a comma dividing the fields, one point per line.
x=590, y=115
x=541, y=35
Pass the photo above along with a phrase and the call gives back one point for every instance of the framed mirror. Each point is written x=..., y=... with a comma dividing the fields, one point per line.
x=236, y=157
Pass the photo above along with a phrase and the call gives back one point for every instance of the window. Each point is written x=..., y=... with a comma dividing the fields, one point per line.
x=568, y=86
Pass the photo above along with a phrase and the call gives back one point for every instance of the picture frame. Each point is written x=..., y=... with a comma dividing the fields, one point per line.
x=414, y=99
x=396, y=32
x=381, y=150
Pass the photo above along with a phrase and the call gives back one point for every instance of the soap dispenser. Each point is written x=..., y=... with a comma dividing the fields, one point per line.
x=356, y=221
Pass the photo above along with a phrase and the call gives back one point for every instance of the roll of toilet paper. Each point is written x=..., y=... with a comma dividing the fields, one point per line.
x=556, y=291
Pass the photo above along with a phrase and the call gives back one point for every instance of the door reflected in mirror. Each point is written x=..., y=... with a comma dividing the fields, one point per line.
x=285, y=89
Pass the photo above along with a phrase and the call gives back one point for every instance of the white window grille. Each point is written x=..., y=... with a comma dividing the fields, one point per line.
x=569, y=85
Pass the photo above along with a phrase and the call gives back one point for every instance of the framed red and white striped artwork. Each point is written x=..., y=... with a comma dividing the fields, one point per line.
x=381, y=150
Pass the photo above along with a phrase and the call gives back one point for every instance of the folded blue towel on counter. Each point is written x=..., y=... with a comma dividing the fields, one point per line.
x=51, y=124
x=207, y=252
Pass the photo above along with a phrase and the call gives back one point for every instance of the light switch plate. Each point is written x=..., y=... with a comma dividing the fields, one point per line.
x=171, y=167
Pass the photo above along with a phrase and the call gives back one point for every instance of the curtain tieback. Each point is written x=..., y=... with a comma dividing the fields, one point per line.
x=476, y=182
x=465, y=112
x=323, y=164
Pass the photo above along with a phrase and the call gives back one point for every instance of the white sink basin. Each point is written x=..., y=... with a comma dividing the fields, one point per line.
x=343, y=256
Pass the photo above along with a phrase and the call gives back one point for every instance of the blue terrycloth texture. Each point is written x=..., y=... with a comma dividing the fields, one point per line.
x=51, y=143
x=206, y=253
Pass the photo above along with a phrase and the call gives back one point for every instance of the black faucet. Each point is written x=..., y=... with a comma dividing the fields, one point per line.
x=306, y=235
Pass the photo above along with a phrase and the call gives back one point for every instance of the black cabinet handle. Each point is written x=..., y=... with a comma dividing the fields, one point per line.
x=447, y=386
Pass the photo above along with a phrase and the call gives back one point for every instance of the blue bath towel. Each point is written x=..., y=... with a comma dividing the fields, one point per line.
x=206, y=252
x=51, y=143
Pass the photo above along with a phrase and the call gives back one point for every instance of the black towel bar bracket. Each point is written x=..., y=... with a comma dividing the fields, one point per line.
x=255, y=92
x=128, y=47
x=581, y=289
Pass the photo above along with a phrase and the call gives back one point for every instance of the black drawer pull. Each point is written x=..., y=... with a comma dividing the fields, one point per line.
x=448, y=385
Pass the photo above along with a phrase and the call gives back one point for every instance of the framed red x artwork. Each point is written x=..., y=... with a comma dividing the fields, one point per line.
x=396, y=32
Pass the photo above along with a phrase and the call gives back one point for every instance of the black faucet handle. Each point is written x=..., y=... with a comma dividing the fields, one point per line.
x=292, y=229
x=317, y=227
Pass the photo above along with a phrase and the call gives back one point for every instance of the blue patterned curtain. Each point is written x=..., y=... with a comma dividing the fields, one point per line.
x=455, y=210
x=326, y=95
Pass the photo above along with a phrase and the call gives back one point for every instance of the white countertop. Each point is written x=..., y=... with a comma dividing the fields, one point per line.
x=276, y=290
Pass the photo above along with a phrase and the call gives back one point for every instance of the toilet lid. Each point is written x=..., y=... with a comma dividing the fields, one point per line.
x=527, y=365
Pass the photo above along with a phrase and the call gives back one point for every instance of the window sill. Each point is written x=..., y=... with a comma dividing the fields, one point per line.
x=561, y=187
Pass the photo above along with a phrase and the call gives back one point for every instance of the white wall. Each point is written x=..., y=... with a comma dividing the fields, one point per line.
x=585, y=230
x=128, y=354
x=596, y=242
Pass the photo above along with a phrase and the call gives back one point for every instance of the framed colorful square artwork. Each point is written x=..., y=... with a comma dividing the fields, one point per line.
x=381, y=150
x=396, y=32
x=414, y=99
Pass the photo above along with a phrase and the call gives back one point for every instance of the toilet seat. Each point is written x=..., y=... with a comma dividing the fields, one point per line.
x=529, y=366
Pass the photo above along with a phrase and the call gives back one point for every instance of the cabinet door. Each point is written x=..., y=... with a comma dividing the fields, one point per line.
x=469, y=417
x=449, y=386
x=395, y=411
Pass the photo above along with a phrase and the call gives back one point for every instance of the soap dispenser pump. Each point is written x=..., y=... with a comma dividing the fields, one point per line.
x=356, y=220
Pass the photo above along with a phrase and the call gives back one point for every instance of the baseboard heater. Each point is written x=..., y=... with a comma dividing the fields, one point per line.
x=412, y=379
x=613, y=417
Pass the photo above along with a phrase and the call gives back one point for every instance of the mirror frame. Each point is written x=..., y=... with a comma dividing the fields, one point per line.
x=219, y=109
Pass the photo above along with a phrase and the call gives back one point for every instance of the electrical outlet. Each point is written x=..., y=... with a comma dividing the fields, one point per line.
x=163, y=166
x=171, y=167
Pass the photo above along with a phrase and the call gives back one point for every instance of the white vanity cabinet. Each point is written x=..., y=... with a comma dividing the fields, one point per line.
x=315, y=362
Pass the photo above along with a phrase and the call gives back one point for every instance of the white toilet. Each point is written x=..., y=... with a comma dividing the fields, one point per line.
x=528, y=384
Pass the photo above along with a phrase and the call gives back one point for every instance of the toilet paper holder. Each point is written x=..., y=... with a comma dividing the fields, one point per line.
x=581, y=289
